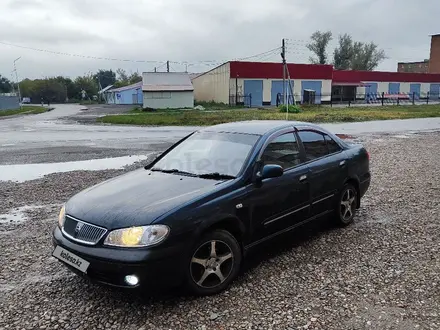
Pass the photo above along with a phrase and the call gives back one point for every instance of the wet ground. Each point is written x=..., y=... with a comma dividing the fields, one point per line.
x=61, y=135
x=379, y=273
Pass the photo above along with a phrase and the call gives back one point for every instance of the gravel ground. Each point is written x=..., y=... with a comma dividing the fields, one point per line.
x=382, y=272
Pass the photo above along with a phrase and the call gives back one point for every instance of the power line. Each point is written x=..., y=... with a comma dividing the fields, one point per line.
x=213, y=62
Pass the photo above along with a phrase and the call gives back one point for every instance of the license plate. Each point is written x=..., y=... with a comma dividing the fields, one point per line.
x=71, y=259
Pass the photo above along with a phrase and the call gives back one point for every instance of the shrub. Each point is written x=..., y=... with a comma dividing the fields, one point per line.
x=292, y=108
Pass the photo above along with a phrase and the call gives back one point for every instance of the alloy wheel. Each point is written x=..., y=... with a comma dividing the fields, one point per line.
x=212, y=264
x=348, y=205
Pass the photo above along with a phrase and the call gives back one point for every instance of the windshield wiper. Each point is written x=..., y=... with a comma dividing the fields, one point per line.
x=156, y=169
x=173, y=170
x=216, y=176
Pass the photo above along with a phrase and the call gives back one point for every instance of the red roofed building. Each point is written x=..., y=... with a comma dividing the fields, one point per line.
x=261, y=83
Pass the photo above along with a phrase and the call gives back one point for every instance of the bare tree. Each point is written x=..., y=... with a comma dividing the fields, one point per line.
x=318, y=45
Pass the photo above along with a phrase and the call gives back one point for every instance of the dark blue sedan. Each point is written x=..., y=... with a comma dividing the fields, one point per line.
x=192, y=214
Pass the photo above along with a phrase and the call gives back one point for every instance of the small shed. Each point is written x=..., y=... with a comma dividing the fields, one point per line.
x=163, y=90
x=131, y=94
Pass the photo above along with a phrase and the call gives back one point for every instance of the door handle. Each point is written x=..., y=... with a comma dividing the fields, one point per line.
x=342, y=163
x=303, y=178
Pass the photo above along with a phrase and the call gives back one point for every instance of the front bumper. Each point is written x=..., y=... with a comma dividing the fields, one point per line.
x=155, y=267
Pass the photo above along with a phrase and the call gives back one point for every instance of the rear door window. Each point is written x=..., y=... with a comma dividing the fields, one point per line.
x=333, y=147
x=314, y=144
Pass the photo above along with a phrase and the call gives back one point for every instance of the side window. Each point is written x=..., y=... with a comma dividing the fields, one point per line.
x=314, y=144
x=333, y=147
x=282, y=151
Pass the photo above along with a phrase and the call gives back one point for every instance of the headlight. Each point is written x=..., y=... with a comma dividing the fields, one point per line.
x=137, y=236
x=62, y=217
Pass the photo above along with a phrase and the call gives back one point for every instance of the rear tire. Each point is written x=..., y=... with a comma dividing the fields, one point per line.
x=214, y=262
x=347, y=205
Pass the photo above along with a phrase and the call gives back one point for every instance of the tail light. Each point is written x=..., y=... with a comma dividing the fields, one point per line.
x=368, y=155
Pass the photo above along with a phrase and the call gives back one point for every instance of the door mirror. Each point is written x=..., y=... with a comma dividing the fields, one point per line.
x=271, y=171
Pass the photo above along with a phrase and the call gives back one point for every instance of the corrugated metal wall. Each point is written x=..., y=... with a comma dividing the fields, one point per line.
x=213, y=85
x=168, y=100
x=9, y=102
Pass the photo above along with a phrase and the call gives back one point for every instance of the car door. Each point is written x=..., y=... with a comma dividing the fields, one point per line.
x=328, y=169
x=282, y=202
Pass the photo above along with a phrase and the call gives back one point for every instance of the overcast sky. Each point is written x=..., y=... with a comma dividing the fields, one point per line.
x=198, y=31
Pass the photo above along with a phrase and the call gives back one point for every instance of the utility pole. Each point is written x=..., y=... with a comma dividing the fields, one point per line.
x=16, y=78
x=168, y=66
x=283, y=56
x=236, y=90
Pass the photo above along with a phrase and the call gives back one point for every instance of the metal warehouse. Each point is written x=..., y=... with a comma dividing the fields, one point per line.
x=131, y=94
x=260, y=83
x=163, y=90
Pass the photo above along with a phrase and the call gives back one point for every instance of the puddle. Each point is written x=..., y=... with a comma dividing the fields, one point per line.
x=25, y=172
x=18, y=215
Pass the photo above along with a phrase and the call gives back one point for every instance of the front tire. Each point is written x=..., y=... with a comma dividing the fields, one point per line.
x=214, y=263
x=347, y=205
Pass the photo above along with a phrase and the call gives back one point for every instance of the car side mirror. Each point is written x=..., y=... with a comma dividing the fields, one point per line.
x=270, y=171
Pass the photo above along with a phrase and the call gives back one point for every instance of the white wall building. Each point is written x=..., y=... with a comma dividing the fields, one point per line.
x=261, y=83
x=167, y=90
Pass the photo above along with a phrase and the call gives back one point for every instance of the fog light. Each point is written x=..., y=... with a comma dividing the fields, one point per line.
x=131, y=280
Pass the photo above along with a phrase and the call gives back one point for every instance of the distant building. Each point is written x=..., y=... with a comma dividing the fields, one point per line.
x=413, y=67
x=434, y=60
x=260, y=84
x=431, y=65
x=131, y=94
x=163, y=90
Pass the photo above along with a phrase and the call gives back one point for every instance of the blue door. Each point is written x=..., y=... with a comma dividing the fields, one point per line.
x=434, y=92
x=140, y=96
x=371, y=92
x=414, y=89
x=394, y=88
x=313, y=85
x=255, y=89
x=277, y=88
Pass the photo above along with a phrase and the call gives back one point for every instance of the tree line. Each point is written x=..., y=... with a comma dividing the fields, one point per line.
x=63, y=89
x=348, y=54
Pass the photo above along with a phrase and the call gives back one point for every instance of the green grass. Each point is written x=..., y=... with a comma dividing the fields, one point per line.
x=316, y=114
x=25, y=110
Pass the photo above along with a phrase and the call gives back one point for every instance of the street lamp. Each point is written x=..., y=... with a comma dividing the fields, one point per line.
x=16, y=78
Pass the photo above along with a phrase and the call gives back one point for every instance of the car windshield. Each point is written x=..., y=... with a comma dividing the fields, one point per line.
x=209, y=153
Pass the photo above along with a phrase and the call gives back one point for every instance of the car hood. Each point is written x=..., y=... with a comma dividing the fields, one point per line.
x=135, y=198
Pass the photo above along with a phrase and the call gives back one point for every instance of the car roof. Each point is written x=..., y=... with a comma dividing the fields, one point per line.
x=256, y=127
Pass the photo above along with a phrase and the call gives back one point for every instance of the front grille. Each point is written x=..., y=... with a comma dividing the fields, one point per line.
x=82, y=232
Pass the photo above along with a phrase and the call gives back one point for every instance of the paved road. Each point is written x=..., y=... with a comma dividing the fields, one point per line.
x=55, y=137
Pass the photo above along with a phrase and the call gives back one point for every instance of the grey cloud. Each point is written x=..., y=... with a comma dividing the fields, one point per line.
x=195, y=30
